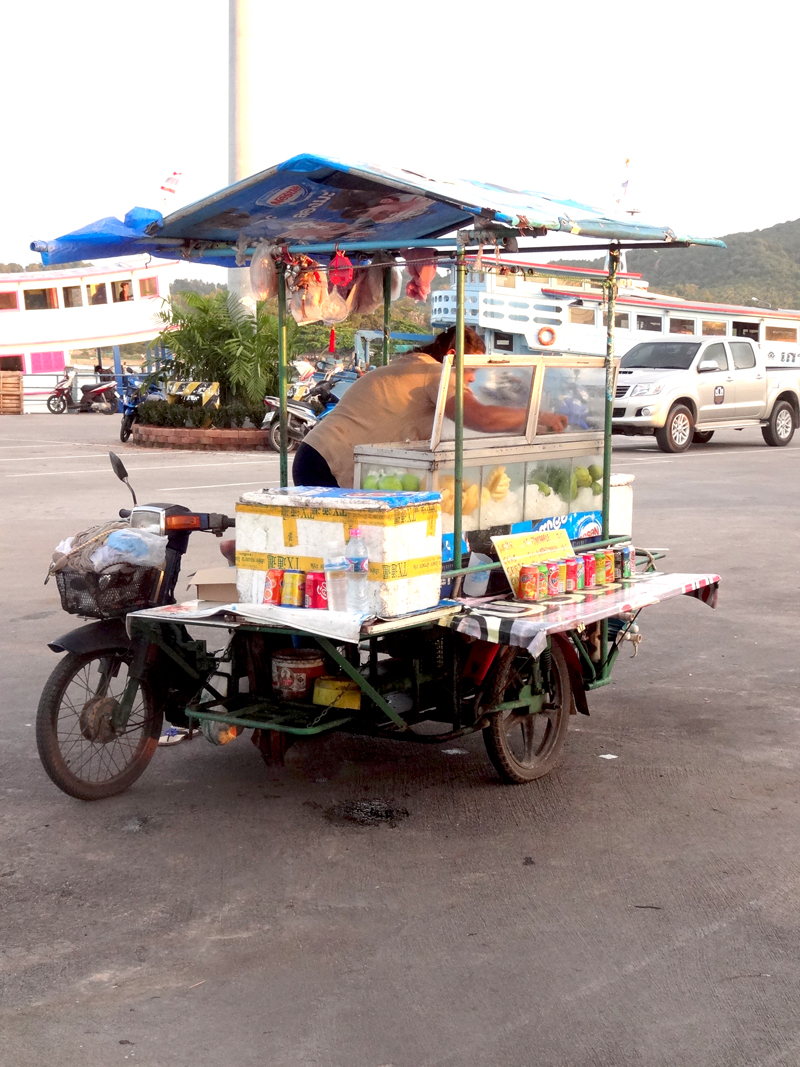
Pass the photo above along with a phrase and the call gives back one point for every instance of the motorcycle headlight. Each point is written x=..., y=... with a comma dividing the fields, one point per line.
x=646, y=389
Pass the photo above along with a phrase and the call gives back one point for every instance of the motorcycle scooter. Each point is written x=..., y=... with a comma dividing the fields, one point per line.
x=101, y=397
x=303, y=416
x=101, y=709
x=131, y=399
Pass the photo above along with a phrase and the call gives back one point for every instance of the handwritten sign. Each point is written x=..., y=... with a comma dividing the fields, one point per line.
x=519, y=550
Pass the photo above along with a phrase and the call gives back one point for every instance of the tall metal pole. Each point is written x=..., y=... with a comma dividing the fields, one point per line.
x=611, y=284
x=282, y=361
x=239, y=127
x=387, y=312
x=458, y=368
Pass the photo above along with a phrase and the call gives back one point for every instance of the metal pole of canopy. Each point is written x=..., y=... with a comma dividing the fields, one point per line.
x=387, y=312
x=611, y=286
x=458, y=367
x=282, y=347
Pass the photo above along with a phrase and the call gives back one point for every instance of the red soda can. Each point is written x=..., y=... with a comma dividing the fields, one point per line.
x=293, y=592
x=552, y=578
x=588, y=570
x=273, y=582
x=572, y=575
x=541, y=590
x=316, y=595
x=528, y=582
x=609, y=566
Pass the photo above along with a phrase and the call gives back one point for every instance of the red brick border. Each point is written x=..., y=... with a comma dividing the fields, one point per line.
x=197, y=438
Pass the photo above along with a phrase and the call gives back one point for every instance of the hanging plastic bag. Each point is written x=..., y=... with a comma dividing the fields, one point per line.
x=421, y=265
x=340, y=271
x=263, y=272
x=334, y=308
x=311, y=291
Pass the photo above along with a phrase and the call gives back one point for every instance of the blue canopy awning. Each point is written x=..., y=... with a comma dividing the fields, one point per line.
x=311, y=200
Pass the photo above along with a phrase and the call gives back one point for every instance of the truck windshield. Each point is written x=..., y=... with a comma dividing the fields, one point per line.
x=661, y=355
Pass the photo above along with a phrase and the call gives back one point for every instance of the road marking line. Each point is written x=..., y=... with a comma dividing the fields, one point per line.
x=217, y=485
x=165, y=467
x=30, y=459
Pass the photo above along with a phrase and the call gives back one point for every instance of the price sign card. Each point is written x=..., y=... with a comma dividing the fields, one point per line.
x=521, y=549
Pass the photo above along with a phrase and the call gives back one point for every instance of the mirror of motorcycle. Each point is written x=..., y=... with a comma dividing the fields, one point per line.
x=119, y=469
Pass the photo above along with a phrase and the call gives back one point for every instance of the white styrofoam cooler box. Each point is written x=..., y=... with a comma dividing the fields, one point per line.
x=289, y=529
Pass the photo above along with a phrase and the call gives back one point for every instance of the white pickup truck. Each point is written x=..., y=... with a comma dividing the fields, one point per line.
x=682, y=390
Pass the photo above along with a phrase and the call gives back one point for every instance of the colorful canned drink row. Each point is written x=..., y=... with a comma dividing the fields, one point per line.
x=605, y=566
x=295, y=589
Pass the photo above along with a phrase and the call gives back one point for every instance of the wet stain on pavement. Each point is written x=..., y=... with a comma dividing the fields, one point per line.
x=375, y=812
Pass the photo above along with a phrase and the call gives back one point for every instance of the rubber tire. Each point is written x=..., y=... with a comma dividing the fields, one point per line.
x=113, y=405
x=126, y=429
x=494, y=736
x=770, y=433
x=47, y=733
x=702, y=437
x=274, y=438
x=56, y=405
x=664, y=433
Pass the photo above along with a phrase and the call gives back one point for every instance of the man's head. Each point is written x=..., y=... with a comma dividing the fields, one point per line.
x=445, y=343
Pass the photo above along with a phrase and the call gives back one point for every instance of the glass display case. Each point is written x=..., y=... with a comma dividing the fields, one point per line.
x=544, y=467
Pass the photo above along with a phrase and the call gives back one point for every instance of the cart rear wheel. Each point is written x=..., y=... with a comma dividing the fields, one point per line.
x=524, y=743
x=78, y=745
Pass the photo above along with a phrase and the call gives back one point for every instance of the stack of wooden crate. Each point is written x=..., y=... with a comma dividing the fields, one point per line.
x=10, y=392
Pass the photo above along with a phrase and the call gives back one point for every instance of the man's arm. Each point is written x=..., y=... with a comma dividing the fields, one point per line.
x=486, y=417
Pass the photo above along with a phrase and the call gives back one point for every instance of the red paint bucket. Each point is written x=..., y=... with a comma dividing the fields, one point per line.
x=294, y=671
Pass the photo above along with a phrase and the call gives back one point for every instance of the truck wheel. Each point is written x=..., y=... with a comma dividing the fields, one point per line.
x=676, y=433
x=781, y=426
x=702, y=437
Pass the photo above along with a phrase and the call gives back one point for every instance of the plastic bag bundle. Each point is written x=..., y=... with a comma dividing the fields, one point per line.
x=421, y=265
x=334, y=308
x=139, y=548
x=310, y=291
x=263, y=272
x=366, y=295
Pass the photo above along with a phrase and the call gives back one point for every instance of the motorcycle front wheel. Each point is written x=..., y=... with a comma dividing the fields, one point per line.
x=57, y=404
x=274, y=438
x=81, y=750
x=126, y=428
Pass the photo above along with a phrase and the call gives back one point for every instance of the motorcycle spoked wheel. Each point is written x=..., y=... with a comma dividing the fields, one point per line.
x=56, y=404
x=78, y=746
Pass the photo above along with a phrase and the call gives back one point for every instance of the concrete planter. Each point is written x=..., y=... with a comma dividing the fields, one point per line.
x=199, y=438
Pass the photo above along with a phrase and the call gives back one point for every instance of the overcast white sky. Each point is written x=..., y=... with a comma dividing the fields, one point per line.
x=104, y=100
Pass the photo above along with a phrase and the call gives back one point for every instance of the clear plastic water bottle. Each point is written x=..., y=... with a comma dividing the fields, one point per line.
x=337, y=569
x=357, y=600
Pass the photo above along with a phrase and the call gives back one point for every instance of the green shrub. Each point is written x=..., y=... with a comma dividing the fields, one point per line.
x=152, y=412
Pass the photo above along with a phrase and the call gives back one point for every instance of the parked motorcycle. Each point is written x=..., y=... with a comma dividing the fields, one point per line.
x=131, y=399
x=96, y=730
x=303, y=415
x=101, y=397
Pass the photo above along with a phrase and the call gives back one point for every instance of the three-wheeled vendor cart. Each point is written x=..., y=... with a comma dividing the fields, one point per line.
x=453, y=665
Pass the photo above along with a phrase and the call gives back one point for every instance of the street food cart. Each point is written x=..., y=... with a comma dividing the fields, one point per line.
x=512, y=669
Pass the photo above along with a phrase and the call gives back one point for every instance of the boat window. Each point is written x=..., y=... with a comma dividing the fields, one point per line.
x=743, y=355
x=547, y=307
x=546, y=322
x=11, y=363
x=716, y=354
x=40, y=299
x=503, y=342
x=148, y=287
x=8, y=302
x=681, y=325
x=780, y=333
x=714, y=328
x=620, y=320
x=121, y=291
x=97, y=293
x=661, y=355
x=72, y=296
x=582, y=316
x=649, y=323
x=508, y=281
x=746, y=329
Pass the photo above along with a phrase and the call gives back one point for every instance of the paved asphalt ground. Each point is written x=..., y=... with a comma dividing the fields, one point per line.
x=635, y=912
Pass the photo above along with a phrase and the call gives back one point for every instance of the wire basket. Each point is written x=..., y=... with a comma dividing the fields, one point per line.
x=107, y=596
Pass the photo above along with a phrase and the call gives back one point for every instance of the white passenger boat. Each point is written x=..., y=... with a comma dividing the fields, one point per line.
x=554, y=308
x=46, y=315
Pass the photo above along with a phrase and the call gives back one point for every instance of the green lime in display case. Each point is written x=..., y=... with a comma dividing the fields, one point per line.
x=392, y=479
x=586, y=484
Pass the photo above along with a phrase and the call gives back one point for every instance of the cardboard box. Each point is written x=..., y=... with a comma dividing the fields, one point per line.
x=217, y=584
x=288, y=529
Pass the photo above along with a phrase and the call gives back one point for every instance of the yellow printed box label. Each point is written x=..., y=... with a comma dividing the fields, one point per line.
x=427, y=513
x=277, y=561
x=410, y=568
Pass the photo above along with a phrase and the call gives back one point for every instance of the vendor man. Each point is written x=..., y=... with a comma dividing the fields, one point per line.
x=395, y=403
